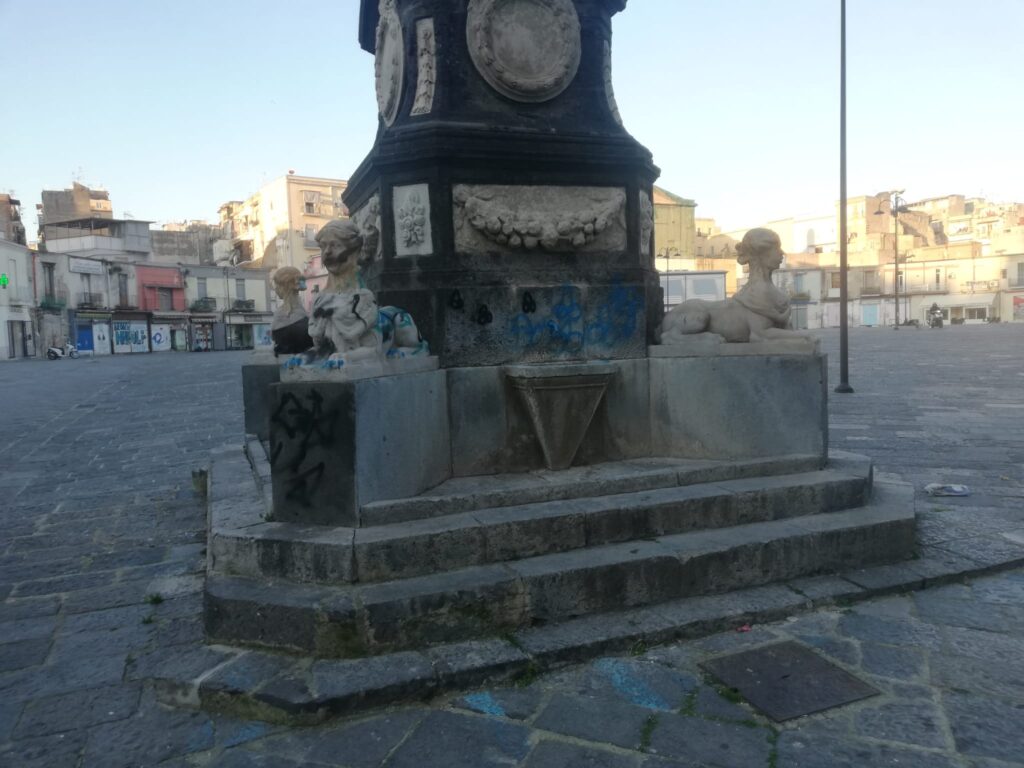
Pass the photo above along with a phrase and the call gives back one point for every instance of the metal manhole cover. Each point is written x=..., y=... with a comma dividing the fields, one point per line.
x=788, y=680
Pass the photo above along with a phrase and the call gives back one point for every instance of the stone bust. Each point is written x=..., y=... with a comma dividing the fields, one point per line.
x=289, y=328
x=757, y=312
x=345, y=314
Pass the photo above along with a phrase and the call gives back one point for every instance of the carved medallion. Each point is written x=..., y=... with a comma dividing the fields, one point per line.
x=528, y=50
x=609, y=92
x=390, y=61
x=426, y=63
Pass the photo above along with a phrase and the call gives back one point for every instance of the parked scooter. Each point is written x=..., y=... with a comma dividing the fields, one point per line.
x=56, y=353
x=934, y=317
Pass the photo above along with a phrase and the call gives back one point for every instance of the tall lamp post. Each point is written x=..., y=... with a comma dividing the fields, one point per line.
x=898, y=206
x=844, y=338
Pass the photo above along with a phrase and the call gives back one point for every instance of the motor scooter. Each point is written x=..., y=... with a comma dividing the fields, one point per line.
x=935, y=318
x=56, y=353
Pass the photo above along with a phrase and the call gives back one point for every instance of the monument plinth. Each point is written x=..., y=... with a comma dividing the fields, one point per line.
x=470, y=493
x=514, y=209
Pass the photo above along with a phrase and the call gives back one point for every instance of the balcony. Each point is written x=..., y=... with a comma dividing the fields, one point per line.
x=206, y=304
x=54, y=302
x=243, y=305
x=90, y=301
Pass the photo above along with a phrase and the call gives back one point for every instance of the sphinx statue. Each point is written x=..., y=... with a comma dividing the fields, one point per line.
x=759, y=311
x=290, y=327
x=347, y=326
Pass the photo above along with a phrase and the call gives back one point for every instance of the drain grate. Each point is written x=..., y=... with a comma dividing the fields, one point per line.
x=788, y=680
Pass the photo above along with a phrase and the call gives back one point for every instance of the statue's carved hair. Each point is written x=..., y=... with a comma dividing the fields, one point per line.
x=346, y=232
x=285, y=275
x=756, y=241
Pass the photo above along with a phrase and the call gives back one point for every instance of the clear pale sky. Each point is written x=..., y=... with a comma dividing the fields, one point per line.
x=176, y=107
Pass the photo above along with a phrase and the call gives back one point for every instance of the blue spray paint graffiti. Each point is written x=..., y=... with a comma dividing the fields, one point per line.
x=564, y=330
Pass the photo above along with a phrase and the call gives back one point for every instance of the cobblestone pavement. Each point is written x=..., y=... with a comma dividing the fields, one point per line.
x=101, y=556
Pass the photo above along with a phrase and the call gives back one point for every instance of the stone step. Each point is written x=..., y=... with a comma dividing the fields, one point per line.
x=488, y=600
x=468, y=494
x=314, y=554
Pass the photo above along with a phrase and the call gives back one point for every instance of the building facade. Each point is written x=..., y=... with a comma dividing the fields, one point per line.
x=277, y=225
x=17, y=335
x=229, y=308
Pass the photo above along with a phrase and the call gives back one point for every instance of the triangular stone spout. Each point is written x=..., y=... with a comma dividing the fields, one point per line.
x=561, y=400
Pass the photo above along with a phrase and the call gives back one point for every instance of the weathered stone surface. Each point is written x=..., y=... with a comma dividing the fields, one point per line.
x=256, y=396
x=595, y=719
x=558, y=754
x=985, y=727
x=441, y=739
x=719, y=407
x=356, y=428
x=711, y=742
x=919, y=723
x=90, y=707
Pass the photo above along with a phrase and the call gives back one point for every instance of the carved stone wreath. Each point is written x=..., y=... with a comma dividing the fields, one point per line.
x=389, y=62
x=527, y=50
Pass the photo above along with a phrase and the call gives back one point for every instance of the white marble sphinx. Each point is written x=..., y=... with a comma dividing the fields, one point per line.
x=350, y=333
x=756, y=320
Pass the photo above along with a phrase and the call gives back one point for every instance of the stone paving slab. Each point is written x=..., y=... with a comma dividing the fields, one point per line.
x=920, y=411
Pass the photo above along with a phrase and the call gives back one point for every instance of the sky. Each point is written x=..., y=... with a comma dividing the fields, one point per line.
x=177, y=107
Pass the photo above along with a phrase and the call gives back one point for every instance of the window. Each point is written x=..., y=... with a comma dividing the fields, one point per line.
x=798, y=282
x=835, y=279
x=309, y=208
x=240, y=289
x=977, y=313
x=165, y=299
x=899, y=280
x=938, y=279
x=201, y=287
x=122, y=290
x=48, y=280
x=1020, y=272
x=310, y=236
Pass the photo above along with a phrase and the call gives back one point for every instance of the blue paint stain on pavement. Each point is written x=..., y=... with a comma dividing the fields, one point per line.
x=485, y=703
x=634, y=689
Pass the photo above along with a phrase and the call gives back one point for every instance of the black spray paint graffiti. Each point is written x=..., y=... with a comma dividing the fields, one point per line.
x=306, y=427
x=613, y=321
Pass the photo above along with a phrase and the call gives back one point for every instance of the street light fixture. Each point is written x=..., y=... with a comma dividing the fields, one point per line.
x=897, y=206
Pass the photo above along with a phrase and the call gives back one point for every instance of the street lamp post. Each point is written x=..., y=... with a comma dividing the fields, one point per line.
x=844, y=338
x=898, y=206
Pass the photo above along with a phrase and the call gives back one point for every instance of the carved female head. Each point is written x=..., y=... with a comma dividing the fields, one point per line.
x=761, y=247
x=287, y=282
x=340, y=245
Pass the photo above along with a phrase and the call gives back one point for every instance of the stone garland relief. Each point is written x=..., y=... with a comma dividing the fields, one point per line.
x=426, y=67
x=609, y=91
x=527, y=50
x=411, y=205
x=389, y=62
x=646, y=223
x=538, y=218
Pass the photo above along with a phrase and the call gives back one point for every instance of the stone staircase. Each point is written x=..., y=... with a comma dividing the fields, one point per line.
x=490, y=557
